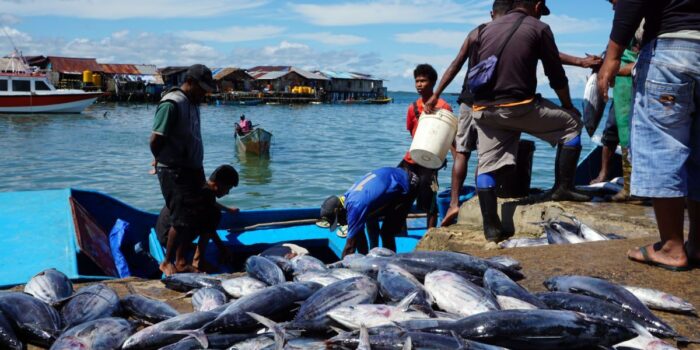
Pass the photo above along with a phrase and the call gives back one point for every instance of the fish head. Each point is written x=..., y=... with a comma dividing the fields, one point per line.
x=552, y=283
x=70, y=343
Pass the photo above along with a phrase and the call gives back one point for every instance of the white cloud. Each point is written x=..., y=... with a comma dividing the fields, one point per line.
x=394, y=11
x=563, y=24
x=107, y=9
x=332, y=39
x=235, y=34
x=8, y=19
x=436, y=37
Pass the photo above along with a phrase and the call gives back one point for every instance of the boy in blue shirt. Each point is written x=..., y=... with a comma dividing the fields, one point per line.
x=385, y=192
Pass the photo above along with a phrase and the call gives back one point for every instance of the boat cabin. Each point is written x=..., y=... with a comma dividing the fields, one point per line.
x=24, y=84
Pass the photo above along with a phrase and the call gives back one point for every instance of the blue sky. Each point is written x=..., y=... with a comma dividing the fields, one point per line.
x=386, y=38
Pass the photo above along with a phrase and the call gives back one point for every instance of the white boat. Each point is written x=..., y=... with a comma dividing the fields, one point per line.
x=33, y=93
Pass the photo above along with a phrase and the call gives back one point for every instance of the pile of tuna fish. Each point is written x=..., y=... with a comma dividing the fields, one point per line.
x=570, y=231
x=421, y=300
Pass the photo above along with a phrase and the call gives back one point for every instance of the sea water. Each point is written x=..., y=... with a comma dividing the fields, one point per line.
x=317, y=151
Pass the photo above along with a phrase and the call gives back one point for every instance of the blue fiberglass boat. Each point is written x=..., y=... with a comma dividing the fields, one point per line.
x=73, y=231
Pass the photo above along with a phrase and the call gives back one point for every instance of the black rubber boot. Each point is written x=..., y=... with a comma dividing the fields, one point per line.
x=493, y=231
x=565, y=169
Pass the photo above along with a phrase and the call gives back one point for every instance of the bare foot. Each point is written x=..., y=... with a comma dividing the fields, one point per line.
x=450, y=216
x=186, y=269
x=656, y=254
x=599, y=179
x=167, y=268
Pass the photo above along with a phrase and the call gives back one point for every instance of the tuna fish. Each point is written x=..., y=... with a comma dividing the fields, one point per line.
x=523, y=242
x=264, y=270
x=354, y=291
x=8, y=338
x=207, y=299
x=90, y=303
x=505, y=261
x=397, y=338
x=267, y=302
x=454, y=294
x=147, y=309
x=306, y=263
x=375, y=315
x=457, y=261
x=645, y=341
x=586, y=232
x=372, y=265
x=501, y=285
x=284, y=264
x=381, y=251
x=557, y=233
x=658, y=300
x=343, y=273
x=103, y=334
x=607, y=291
x=395, y=284
x=34, y=321
x=321, y=277
x=185, y=282
x=50, y=286
x=241, y=286
x=598, y=308
x=541, y=330
x=593, y=105
x=170, y=331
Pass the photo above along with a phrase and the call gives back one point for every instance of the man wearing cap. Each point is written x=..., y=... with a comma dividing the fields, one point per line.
x=508, y=105
x=385, y=192
x=176, y=145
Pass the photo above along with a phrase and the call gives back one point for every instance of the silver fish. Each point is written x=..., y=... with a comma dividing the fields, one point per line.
x=593, y=105
x=241, y=286
x=501, y=285
x=523, y=242
x=147, y=309
x=207, y=299
x=90, y=303
x=658, y=300
x=375, y=315
x=50, y=286
x=170, y=331
x=264, y=270
x=34, y=321
x=185, y=282
x=454, y=294
x=321, y=277
x=103, y=334
x=586, y=232
x=306, y=263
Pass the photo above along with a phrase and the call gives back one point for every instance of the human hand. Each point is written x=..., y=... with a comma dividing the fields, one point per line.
x=606, y=76
x=591, y=61
x=152, y=171
x=429, y=106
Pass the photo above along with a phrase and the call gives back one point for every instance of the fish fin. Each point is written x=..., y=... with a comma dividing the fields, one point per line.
x=198, y=335
x=460, y=341
x=337, y=330
x=408, y=344
x=364, y=336
x=280, y=336
x=406, y=302
x=641, y=330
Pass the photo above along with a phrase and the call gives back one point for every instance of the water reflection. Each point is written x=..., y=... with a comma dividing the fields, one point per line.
x=254, y=169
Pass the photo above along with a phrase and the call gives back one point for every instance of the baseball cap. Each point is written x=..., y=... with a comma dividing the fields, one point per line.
x=329, y=211
x=202, y=75
x=545, y=9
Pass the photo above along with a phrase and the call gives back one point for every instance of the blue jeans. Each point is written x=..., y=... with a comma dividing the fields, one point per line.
x=665, y=138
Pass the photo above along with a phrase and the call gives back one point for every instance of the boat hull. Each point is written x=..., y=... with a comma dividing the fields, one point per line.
x=47, y=103
x=255, y=142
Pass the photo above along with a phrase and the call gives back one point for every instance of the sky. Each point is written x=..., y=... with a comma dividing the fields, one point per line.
x=386, y=38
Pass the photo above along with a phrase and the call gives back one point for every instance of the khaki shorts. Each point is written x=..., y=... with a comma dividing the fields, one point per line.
x=465, y=141
x=499, y=130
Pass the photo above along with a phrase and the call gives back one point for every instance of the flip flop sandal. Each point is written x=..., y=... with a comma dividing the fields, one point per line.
x=342, y=231
x=647, y=260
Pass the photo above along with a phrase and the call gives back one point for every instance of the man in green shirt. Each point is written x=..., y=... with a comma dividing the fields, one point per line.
x=176, y=145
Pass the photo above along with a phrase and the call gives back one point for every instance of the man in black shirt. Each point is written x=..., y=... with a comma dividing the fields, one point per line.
x=665, y=140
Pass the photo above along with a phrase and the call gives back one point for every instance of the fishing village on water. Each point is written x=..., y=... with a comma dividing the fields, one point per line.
x=350, y=175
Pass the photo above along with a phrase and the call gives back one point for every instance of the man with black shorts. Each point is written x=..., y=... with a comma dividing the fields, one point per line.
x=176, y=145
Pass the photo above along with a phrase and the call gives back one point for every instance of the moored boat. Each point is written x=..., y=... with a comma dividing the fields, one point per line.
x=256, y=141
x=381, y=101
x=33, y=93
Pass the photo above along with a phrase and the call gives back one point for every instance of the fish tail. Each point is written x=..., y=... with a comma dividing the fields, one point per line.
x=197, y=334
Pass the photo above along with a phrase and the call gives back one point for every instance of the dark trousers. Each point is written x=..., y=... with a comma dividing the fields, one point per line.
x=394, y=219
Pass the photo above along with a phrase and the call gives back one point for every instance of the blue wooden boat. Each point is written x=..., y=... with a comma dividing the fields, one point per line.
x=69, y=229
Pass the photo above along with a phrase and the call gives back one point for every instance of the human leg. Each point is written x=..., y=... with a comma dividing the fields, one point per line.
x=610, y=141
x=167, y=265
x=465, y=143
x=355, y=243
x=373, y=233
x=664, y=133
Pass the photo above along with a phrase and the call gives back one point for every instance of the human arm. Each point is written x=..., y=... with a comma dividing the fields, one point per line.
x=565, y=98
x=452, y=71
x=229, y=210
x=166, y=116
x=590, y=61
x=626, y=70
x=553, y=69
x=610, y=68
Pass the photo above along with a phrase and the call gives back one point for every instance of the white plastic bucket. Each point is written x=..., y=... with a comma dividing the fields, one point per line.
x=433, y=138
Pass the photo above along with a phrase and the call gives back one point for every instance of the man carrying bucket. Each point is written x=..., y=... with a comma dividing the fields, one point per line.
x=506, y=104
x=425, y=77
x=385, y=192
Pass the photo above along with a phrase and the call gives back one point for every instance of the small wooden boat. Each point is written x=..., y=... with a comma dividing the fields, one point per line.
x=381, y=101
x=256, y=141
